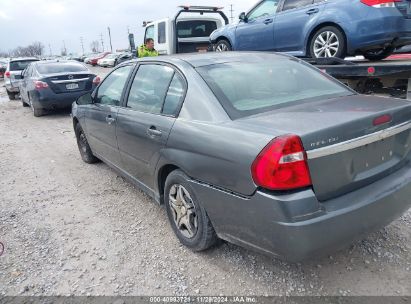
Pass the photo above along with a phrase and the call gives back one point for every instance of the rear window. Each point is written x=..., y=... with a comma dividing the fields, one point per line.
x=53, y=68
x=249, y=88
x=195, y=28
x=19, y=65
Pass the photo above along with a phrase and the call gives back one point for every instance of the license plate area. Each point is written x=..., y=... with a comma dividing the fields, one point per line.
x=72, y=86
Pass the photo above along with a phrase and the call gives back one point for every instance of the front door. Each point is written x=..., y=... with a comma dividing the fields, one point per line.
x=293, y=22
x=257, y=32
x=101, y=117
x=145, y=122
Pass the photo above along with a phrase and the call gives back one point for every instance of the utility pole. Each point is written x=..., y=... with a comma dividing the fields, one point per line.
x=64, y=48
x=102, y=41
x=82, y=44
x=50, y=50
x=232, y=15
x=109, y=35
x=128, y=30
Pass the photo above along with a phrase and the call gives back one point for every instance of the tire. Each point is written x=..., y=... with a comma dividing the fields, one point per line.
x=37, y=112
x=12, y=96
x=223, y=46
x=25, y=105
x=333, y=46
x=83, y=146
x=201, y=235
x=379, y=54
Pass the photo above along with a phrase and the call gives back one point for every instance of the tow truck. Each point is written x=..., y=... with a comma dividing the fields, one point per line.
x=188, y=31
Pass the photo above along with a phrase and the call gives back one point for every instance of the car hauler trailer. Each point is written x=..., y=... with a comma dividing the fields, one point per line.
x=387, y=77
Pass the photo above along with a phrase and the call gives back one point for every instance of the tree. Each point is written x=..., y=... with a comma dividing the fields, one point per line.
x=35, y=49
x=95, y=46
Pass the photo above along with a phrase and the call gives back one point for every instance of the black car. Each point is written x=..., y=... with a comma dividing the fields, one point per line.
x=55, y=85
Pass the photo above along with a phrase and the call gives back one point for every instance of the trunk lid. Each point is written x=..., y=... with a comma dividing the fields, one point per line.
x=330, y=131
x=65, y=83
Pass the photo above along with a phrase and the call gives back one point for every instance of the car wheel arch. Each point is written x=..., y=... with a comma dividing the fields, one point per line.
x=318, y=27
x=162, y=175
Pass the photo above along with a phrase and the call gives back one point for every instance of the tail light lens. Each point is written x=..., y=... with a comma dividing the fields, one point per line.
x=96, y=80
x=282, y=165
x=39, y=85
x=7, y=74
x=380, y=3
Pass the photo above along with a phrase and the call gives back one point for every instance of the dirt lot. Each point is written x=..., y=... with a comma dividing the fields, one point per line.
x=72, y=228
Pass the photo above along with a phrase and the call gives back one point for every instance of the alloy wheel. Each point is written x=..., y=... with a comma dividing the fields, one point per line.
x=184, y=211
x=221, y=47
x=326, y=45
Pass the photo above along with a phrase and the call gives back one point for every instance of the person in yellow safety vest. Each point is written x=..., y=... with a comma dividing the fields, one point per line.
x=147, y=49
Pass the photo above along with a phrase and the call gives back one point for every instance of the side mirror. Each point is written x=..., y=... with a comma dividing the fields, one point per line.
x=85, y=99
x=243, y=17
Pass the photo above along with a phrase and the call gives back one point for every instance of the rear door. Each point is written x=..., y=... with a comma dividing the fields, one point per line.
x=101, y=116
x=294, y=22
x=145, y=122
x=257, y=33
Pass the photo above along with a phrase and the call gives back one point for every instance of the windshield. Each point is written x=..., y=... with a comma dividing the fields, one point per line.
x=111, y=56
x=53, y=68
x=20, y=65
x=250, y=88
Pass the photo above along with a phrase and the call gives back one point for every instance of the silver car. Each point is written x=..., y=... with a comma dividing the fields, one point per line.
x=261, y=150
x=12, y=77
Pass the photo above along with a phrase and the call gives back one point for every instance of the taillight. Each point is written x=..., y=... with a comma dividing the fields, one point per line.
x=282, y=165
x=7, y=74
x=39, y=85
x=380, y=3
x=382, y=120
x=96, y=80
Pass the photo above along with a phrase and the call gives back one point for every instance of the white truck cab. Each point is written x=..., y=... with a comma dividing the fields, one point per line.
x=187, y=32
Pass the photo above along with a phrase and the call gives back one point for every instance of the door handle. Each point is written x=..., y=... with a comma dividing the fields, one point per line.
x=268, y=21
x=110, y=119
x=152, y=131
x=312, y=11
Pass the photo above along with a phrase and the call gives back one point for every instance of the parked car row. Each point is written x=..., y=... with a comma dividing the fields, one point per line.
x=106, y=59
x=295, y=166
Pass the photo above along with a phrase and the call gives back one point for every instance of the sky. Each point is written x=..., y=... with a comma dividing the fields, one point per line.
x=54, y=21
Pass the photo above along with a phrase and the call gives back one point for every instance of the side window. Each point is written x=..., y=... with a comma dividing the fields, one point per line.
x=162, y=32
x=149, y=32
x=265, y=8
x=290, y=4
x=174, y=96
x=109, y=92
x=149, y=88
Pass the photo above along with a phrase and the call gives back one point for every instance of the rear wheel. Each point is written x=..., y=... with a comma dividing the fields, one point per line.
x=327, y=42
x=378, y=54
x=223, y=46
x=12, y=96
x=83, y=146
x=187, y=216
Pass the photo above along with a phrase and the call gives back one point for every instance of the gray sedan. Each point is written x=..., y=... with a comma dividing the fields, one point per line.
x=261, y=150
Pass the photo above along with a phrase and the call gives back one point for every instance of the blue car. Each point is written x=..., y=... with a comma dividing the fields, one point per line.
x=320, y=29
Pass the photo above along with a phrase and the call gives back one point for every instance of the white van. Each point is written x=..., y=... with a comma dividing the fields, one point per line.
x=187, y=32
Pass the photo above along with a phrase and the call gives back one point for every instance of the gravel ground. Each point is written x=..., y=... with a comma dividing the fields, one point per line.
x=75, y=229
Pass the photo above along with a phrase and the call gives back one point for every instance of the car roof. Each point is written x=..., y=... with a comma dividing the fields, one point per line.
x=211, y=58
x=23, y=59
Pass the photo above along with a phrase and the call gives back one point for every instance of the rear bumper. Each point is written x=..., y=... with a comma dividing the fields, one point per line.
x=380, y=29
x=53, y=101
x=297, y=226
